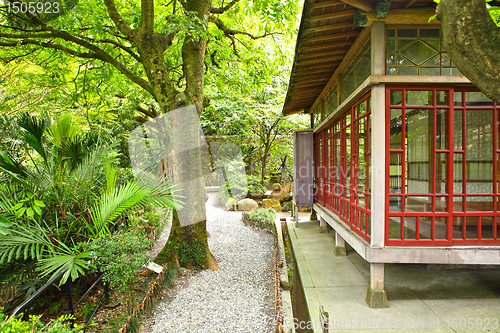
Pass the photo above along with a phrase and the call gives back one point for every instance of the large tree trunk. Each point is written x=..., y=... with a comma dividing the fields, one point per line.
x=472, y=41
x=187, y=244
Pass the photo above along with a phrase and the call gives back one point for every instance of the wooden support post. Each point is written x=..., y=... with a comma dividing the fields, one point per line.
x=296, y=215
x=376, y=297
x=322, y=224
x=339, y=245
x=378, y=139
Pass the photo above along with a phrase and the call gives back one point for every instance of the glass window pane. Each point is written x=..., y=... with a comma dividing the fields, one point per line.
x=458, y=204
x=433, y=32
x=458, y=222
x=394, y=227
x=391, y=45
x=479, y=204
x=395, y=172
x=403, y=61
x=440, y=227
x=396, y=129
x=410, y=228
x=441, y=172
x=391, y=71
x=498, y=177
x=434, y=43
x=396, y=97
x=395, y=203
x=445, y=71
x=455, y=71
x=441, y=204
x=458, y=173
x=458, y=130
x=419, y=97
x=479, y=149
x=391, y=32
x=412, y=32
x=429, y=71
x=498, y=129
x=471, y=226
x=487, y=226
x=362, y=108
x=425, y=227
x=477, y=99
x=441, y=129
x=418, y=204
x=458, y=98
x=445, y=60
x=407, y=71
x=418, y=52
x=419, y=125
x=441, y=97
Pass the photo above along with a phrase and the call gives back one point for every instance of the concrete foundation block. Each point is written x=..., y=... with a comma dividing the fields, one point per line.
x=339, y=251
x=376, y=298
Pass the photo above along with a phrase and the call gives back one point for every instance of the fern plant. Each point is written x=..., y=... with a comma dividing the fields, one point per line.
x=52, y=211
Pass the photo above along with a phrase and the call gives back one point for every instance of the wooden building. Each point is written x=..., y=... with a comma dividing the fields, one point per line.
x=407, y=150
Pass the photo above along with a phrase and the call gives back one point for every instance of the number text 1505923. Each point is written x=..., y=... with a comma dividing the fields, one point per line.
x=32, y=7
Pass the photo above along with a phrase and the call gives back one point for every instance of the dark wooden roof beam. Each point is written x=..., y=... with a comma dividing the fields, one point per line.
x=363, y=5
x=329, y=27
x=313, y=92
x=329, y=68
x=408, y=3
x=322, y=46
x=328, y=37
x=325, y=4
x=320, y=60
x=308, y=85
x=345, y=13
x=317, y=54
x=311, y=79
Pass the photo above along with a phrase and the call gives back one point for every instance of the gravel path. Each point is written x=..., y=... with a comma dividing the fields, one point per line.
x=238, y=298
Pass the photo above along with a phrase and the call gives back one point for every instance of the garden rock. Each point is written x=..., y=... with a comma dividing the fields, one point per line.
x=247, y=204
x=271, y=203
x=230, y=204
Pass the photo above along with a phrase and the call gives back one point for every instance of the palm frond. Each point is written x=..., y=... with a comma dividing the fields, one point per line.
x=33, y=131
x=118, y=200
x=75, y=263
x=25, y=242
x=85, y=171
x=11, y=166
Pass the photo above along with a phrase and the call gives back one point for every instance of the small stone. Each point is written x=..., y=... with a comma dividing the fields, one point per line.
x=230, y=204
x=247, y=204
x=271, y=203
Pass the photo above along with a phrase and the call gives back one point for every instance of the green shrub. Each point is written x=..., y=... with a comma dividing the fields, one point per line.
x=262, y=218
x=118, y=256
x=146, y=222
x=34, y=325
x=255, y=185
x=287, y=207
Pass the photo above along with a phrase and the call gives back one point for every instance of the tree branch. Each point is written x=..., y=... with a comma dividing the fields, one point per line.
x=147, y=15
x=117, y=19
x=96, y=53
x=123, y=47
x=225, y=8
x=230, y=32
x=144, y=111
x=28, y=35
